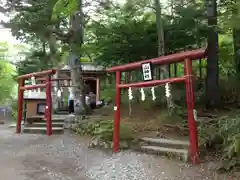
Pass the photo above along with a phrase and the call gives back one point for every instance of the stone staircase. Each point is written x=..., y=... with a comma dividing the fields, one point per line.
x=37, y=125
x=170, y=147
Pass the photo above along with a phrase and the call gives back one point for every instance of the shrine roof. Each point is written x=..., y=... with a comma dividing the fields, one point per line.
x=87, y=67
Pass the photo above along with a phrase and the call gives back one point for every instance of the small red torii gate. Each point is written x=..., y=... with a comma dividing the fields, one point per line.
x=47, y=84
x=187, y=57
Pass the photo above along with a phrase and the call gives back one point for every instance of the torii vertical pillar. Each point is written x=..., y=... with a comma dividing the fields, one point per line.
x=192, y=124
x=117, y=113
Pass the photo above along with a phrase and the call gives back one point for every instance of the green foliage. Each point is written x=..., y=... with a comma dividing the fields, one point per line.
x=122, y=33
x=34, y=61
x=3, y=49
x=31, y=22
x=128, y=37
x=108, y=92
x=7, y=81
x=7, y=75
x=176, y=117
x=14, y=106
x=226, y=66
x=224, y=135
x=64, y=8
x=103, y=129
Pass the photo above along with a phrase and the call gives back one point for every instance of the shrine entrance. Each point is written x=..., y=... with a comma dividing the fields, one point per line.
x=185, y=57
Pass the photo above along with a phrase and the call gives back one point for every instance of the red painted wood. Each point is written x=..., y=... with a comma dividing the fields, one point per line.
x=152, y=83
x=20, y=106
x=48, y=110
x=173, y=58
x=116, y=131
x=42, y=73
x=192, y=124
x=30, y=87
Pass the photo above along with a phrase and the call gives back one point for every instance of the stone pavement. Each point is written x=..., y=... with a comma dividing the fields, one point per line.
x=66, y=157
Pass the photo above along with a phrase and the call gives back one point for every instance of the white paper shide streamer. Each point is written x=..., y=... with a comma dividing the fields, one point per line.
x=143, y=97
x=59, y=93
x=130, y=96
x=33, y=80
x=153, y=94
x=167, y=90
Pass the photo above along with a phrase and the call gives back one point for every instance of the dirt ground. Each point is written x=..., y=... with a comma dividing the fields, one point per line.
x=66, y=157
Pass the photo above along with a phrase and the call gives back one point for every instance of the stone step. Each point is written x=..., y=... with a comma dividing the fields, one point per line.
x=43, y=124
x=170, y=143
x=55, y=119
x=62, y=112
x=182, y=154
x=42, y=130
x=34, y=119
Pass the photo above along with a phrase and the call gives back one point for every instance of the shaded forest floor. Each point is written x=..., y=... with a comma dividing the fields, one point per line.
x=155, y=122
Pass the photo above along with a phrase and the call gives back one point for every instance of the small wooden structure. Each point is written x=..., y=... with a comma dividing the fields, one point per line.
x=34, y=106
x=23, y=88
x=91, y=74
x=36, y=100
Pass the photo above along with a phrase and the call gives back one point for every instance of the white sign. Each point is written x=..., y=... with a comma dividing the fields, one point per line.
x=147, y=71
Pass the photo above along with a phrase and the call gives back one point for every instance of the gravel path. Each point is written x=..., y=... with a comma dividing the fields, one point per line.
x=66, y=157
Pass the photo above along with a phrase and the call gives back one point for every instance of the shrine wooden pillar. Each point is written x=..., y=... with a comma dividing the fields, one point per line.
x=97, y=89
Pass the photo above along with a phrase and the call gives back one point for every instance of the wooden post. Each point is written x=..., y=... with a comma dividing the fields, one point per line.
x=20, y=105
x=97, y=89
x=192, y=124
x=116, y=131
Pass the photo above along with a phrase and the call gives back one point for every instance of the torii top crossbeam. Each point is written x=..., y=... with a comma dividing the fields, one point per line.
x=168, y=59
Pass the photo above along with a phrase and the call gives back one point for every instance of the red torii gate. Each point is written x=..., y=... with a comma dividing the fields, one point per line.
x=187, y=57
x=48, y=85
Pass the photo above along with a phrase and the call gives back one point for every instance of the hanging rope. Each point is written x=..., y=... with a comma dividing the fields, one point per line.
x=59, y=93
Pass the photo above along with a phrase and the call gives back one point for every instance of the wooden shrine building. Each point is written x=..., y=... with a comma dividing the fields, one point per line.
x=35, y=100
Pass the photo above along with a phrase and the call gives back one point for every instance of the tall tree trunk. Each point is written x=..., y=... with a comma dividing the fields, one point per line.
x=236, y=43
x=53, y=49
x=236, y=40
x=212, y=79
x=54, y=62
x=161, y=49
x=76, y=41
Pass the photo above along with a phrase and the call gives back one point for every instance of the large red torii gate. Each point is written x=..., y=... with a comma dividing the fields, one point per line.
x=187, y=57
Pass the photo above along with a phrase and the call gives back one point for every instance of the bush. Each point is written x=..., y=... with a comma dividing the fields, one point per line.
x=14, y=106
x=224, y=135
x=102, y=130
x=108, y=93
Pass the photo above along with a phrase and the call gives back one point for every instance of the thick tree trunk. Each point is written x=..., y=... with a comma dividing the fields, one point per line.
x=53, y=53
x=236, y=42
x=80, y=106
x=161, y=49
x=76, y=41
x=212, y=84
